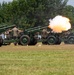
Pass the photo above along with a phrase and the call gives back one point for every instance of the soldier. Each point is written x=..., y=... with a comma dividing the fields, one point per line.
x=44, y=33
x=37, y=36
x=15, y=33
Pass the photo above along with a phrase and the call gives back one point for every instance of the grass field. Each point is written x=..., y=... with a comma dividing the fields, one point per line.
x=37, y=60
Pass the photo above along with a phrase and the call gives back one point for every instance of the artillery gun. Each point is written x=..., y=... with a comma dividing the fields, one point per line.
x=31, y=35
x=56, y=38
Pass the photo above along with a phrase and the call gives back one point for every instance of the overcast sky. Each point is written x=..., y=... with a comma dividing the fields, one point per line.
x=70, y=2
x=5, y=1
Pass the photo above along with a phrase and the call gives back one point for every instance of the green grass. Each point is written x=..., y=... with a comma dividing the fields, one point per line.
x=37, y=62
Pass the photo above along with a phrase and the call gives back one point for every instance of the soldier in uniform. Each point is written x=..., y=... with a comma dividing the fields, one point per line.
x=15, y=34
x=44, y=33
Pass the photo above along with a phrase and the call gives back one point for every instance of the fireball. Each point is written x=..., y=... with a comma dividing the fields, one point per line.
x=59, y=24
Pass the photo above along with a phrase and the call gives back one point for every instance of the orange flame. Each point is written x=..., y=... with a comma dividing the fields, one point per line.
x=59, y=24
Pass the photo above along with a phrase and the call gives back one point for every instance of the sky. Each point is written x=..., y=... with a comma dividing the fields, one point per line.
x=70, y=2
x=5, y=1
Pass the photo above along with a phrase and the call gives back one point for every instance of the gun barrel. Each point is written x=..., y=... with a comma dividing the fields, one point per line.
x=5, y=27
x=35, y=28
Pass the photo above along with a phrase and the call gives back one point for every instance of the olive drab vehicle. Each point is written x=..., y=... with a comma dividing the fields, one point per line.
x=33, y=35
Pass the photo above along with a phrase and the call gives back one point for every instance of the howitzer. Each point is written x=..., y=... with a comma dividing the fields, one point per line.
x=31, y=35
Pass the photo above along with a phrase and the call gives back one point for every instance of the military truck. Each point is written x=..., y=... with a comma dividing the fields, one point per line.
x=42, y=34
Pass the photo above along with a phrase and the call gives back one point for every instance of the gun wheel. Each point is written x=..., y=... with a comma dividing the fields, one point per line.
x=24, y=40
x=51, y=40
x=70, y=40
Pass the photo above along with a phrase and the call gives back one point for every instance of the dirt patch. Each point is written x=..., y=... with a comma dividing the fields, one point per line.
x=39, y=46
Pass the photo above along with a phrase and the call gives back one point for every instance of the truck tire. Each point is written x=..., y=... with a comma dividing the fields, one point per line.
x=33, y=41
x=51, y=40
x=24, y=40
x=58, y=41
x=70, y=40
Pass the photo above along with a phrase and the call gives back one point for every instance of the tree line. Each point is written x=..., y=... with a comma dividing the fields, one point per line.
x=31, y=13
